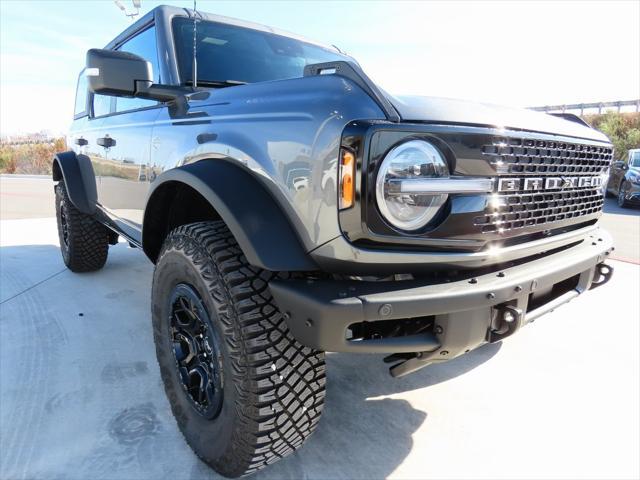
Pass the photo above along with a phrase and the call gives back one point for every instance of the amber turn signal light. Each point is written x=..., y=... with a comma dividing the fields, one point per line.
x=347, y=175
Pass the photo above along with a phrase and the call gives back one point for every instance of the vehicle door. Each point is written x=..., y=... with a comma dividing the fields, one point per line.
x=124, y=140
x=85, y=127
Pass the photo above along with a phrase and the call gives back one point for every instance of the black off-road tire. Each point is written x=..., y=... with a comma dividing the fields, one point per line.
x=272, y=388
x=84, y=243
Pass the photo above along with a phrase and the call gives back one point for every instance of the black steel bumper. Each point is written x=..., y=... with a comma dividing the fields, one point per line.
x=467, y=313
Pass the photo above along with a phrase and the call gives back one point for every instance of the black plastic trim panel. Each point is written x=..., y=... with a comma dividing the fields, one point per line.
x=257, y=222
x=79, y=179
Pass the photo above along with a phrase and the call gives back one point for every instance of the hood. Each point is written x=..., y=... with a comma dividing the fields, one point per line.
x=448, y=110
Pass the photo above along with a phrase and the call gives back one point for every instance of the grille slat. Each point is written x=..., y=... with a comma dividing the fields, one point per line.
x=533, y=157
x=525, y=209
x=522, y=157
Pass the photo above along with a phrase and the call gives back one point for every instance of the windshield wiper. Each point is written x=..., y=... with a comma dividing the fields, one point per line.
x=217, y=83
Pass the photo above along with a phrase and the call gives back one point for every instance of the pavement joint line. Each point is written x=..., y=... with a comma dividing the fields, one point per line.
x=625, y=260
x=33, y=286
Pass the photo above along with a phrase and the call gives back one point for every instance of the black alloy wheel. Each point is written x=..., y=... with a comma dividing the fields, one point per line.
x=196, y=348
x=64, y=225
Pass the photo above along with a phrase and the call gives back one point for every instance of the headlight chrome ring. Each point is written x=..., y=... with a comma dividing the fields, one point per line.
x=410, y=160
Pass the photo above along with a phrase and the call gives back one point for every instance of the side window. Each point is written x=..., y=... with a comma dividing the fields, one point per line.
x=82, y=91
x=143, y=45
x=101, y=105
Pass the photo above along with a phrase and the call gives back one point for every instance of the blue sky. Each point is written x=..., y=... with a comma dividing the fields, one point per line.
x=514, y=53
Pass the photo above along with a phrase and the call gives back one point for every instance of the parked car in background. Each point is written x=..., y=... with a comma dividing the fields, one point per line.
x=624, y=180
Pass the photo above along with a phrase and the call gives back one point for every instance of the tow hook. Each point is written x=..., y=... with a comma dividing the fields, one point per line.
x=601, y=275
x=508, y=319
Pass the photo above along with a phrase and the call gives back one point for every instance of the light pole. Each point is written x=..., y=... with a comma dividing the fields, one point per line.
x=131, y=15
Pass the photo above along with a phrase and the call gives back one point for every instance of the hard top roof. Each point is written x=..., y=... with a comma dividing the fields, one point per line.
x=169, y=12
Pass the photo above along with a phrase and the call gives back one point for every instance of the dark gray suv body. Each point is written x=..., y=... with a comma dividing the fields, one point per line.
x=291, y=207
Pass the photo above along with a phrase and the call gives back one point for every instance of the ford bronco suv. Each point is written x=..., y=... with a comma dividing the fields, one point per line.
x=292, y=207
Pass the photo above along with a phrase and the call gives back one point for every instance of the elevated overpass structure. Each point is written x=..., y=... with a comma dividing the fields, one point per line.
x=619, y=105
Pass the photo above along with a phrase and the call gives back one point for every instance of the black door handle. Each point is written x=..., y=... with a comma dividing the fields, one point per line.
x=106, y=142
x=81, y=141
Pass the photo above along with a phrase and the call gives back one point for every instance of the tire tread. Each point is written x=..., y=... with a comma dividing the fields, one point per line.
x=88, y=239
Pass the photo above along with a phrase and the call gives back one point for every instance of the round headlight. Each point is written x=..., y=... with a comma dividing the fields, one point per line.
x=415, y=159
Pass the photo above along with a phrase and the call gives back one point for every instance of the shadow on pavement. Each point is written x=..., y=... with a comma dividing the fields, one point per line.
x=104, y=337
x=361, y=435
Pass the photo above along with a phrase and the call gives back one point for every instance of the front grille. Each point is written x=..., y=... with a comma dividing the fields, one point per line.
x=518, y=210
x=523, y=156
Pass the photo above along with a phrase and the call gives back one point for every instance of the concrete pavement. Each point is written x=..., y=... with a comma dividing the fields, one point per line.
x=26, y=196
x=81, y=395
x=624, y=225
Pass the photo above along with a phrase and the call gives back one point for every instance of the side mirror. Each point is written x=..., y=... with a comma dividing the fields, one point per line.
x=124, y=74
x=110, y=72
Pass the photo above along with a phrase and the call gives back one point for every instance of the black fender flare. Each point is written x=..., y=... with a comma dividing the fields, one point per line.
x=79, y=179
x=255, y=219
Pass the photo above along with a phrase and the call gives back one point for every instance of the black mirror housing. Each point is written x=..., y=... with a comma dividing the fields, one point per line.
x=111, y=72
x=124, y=74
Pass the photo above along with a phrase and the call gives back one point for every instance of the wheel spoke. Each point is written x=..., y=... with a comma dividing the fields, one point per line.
x=179, y=351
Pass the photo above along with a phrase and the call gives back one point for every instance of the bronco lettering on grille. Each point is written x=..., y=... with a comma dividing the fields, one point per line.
x=546, y=183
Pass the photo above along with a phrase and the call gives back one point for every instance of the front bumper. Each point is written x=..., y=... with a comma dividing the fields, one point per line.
x=340, y=256
x=467, y=313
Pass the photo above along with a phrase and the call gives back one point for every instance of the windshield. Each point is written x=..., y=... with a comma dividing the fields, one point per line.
x=634, y=159
x=230, y=55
